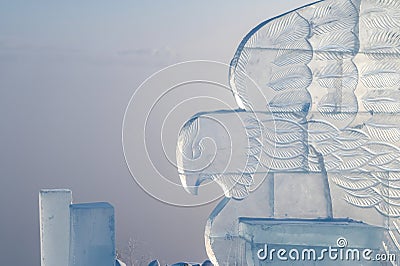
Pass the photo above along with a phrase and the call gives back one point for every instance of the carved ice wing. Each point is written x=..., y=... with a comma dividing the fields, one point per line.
x=380, y=68
x=285, y=146
x=368, y=171
x=379, y=25
x=371, y=190
x=310, y=49
x=274, y=55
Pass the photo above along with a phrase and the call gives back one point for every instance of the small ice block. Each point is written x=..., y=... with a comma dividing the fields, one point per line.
x=92, y=240
x=304, y=241
x=54, y=226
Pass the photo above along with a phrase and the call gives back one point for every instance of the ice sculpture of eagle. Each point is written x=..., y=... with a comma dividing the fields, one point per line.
x=325, y=135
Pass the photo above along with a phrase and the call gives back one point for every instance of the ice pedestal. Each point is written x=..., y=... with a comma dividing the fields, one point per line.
x=92, y=240
x=309, y=242
x=54, y=226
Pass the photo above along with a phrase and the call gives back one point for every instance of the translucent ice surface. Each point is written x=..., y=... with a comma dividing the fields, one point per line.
x=54, y=226
x=322, y=143
x=309, y=242
x=92, y=240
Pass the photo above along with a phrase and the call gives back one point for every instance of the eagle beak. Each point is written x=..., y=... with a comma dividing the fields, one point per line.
x=190, y=183
x=192, y=190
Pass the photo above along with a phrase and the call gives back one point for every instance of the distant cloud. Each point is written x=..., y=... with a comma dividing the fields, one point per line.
x=149, y=56
x=15, y=49
x=158, y=52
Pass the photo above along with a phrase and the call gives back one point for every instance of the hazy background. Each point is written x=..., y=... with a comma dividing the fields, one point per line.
x=67, y=72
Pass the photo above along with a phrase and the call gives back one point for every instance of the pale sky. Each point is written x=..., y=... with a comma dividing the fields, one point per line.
x=67, y=72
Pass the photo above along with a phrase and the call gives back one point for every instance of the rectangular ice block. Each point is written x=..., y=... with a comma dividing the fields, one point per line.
x=54, y=226
x=342, y=239
x=92, y=240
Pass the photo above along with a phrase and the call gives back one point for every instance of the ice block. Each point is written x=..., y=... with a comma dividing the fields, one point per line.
x=310, y=242
x=54, y=226
x=92, y=240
